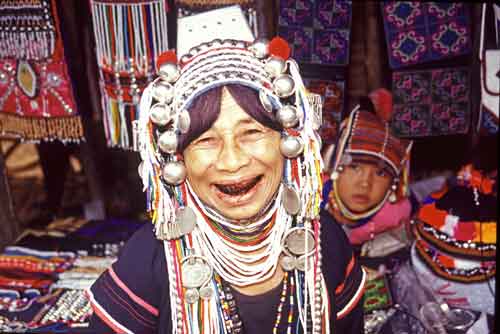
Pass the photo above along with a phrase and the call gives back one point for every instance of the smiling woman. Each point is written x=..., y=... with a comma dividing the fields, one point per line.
x=232, y=169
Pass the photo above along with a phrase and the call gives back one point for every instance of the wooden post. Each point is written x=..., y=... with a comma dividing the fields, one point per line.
x=374, y=78
x=9, y=225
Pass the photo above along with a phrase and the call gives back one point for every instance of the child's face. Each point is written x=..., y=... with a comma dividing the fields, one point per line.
x=362, y=186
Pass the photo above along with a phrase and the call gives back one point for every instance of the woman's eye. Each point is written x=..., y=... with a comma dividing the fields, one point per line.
x=206, y=140
x=354, y=166
x=251, y=132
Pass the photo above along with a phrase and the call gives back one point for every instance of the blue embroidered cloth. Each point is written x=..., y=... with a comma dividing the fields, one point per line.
x=318, y=31
x=419, y=32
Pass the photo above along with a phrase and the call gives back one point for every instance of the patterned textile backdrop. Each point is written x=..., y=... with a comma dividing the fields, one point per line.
x=332, y=95
x=431, y=102
x=320, y=38
x=419, y=32
x=36, y=96
x=130, y=35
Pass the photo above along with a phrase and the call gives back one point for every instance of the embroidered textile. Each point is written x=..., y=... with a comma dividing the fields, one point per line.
x=333, y=97
x=130, y=35
x=431, y=102
x=320, y=38
x=419, y=32
x=36, y=97
x=377, y=294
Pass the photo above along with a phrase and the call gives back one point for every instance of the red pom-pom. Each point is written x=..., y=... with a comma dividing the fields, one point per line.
x=382, y=101
x=166, y=57
x=278, y=47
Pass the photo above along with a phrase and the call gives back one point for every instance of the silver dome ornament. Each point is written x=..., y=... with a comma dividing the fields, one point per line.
x=163, y=92
x=260, y=48
x=174, y=172
x=160, y=114
x=168, y=142
x=169, y=72
x=284, y=86
x=291, y=146
x=291, y=200
x=184, y=122
x=287, y=116
x=275, y=66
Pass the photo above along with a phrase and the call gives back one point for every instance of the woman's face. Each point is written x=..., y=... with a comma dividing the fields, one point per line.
x=235, y=166
x=362, y=186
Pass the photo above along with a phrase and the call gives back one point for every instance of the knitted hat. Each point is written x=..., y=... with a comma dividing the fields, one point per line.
x=457, y=228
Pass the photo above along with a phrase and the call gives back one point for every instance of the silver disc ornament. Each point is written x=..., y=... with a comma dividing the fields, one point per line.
x=284, y=86
x=291, y=200
x=191, y=296
x=186, y=219
x=288, y=263
x=196, y=272
x=206, y=292
x=168, y=142
x=184, y=122
x=299, y=241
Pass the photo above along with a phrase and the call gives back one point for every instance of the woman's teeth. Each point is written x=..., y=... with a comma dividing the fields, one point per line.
x=238, y=188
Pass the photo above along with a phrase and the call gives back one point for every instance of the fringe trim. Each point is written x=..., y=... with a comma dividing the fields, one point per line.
x=65, y=129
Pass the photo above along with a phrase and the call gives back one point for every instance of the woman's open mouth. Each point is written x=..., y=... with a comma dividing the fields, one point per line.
x=235, y=193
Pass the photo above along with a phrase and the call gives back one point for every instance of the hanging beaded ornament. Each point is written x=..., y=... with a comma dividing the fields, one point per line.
x=130, y=35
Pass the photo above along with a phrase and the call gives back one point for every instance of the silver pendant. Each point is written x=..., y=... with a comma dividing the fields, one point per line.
x=191, y=296
x=184, y=122
x=288, y=263
x=274, y=66
x=186, y=219
x=284, y=86
x=301, y=263
x=196, y=272
x=299, y=241
x=206, y=292
x=160, y=114
x=291, y=200
x=265, y=101
x=163, y=92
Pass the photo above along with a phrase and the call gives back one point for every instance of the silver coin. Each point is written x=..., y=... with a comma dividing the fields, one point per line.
x=191, y=296
x=186, y=219
x=291, y=200
x=297, y=240
x=301, y=263
x=288, y=263
x=195, y=273
x=206, y=292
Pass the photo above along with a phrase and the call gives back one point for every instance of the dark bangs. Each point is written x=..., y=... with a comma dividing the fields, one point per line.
x=205, y=109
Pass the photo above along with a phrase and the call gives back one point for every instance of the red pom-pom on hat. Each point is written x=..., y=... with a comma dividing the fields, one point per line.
x=278, y=47
x=166, y=57
x=382, y=101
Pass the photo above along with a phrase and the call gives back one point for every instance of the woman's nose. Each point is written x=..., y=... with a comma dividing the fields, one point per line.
x=231, y=157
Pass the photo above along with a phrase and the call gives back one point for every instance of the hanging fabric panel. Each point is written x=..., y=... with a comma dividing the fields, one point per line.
x=431, y=102
x=420, y=32
x=36, y=96
x=318, y=31
x=130, y=35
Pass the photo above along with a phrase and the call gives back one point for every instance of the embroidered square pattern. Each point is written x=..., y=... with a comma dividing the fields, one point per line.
x=431, y=102
x=320, y=38
x=419, y=32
